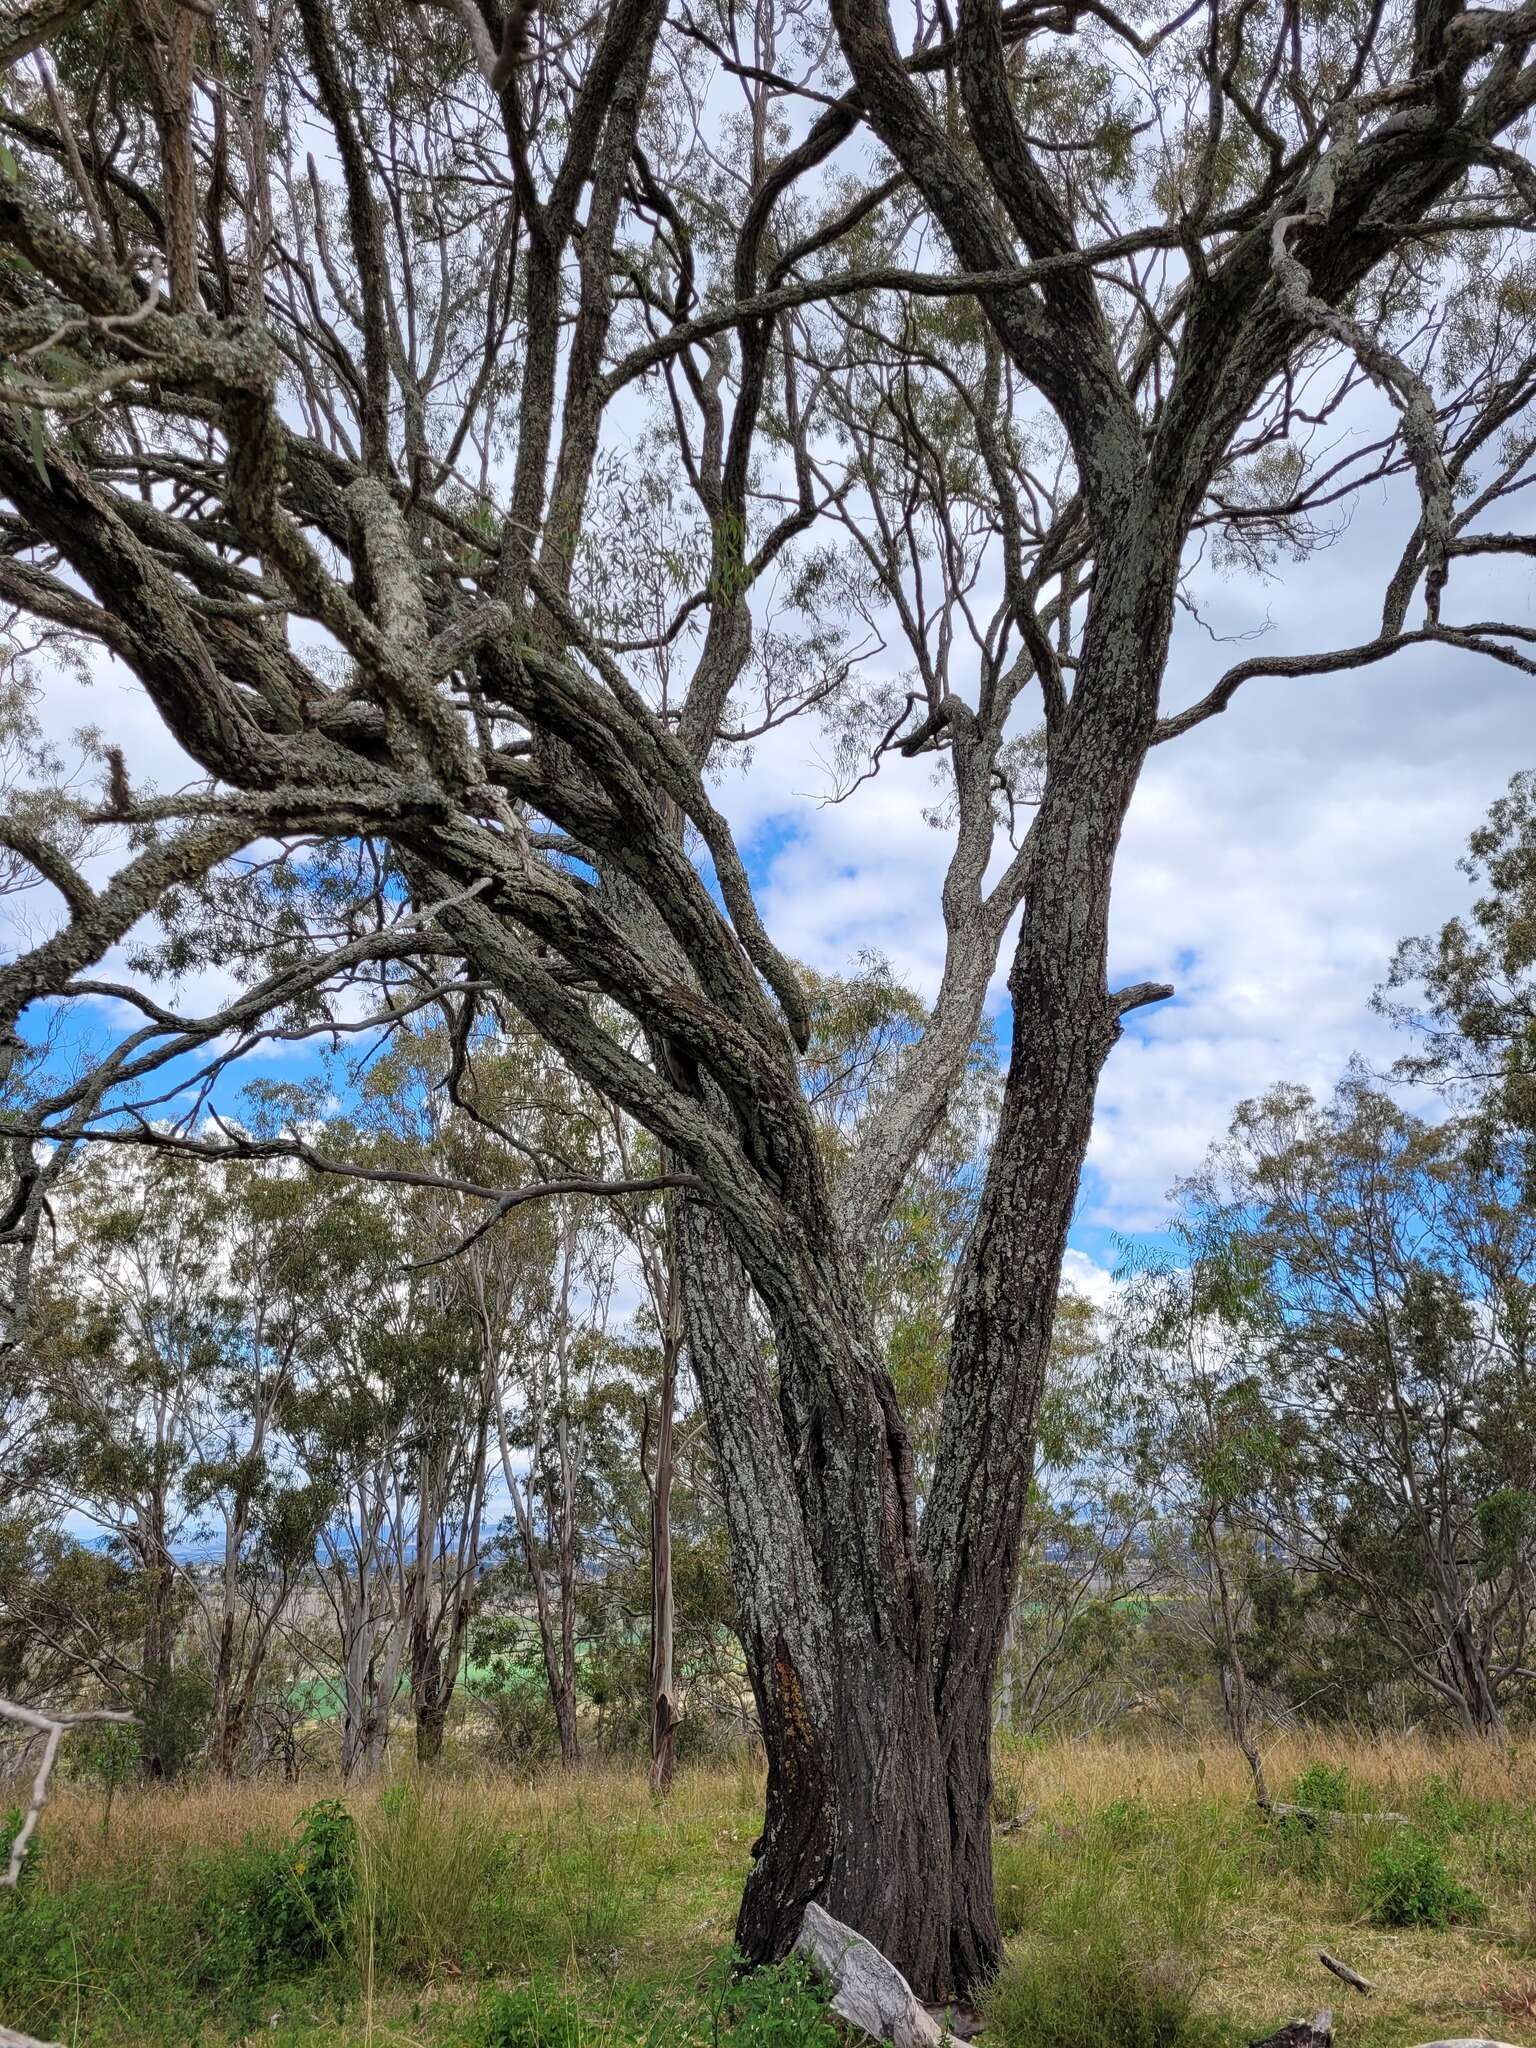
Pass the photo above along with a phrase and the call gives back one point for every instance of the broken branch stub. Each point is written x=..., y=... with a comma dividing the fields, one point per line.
x=1316, y=2032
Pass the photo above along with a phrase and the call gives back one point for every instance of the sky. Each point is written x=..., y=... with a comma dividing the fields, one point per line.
x=1272, y=859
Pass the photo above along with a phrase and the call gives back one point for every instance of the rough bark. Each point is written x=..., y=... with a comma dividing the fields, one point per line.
x=836, y=1625
x=1065, y=1022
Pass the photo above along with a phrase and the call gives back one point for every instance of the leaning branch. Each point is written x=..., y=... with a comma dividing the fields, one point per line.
x=54, y=1727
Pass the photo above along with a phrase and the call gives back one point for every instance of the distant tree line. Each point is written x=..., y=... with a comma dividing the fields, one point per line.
x=306, y=1456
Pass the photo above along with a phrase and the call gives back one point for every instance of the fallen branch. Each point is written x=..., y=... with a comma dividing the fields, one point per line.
x=1335, y=1817
x=1015, y=1821
x=1345, y=1974
x=1316, y=2032
x=10, y=2039
x=868, y=1993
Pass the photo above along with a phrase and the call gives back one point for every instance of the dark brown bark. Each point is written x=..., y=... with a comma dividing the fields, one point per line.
x=1065, y=1022
x=835, y=1622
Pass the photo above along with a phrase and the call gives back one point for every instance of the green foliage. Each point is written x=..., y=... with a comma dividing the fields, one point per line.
x=174, y=1716
x=782, y=2007
x=518, y=1698
x=1325, y=1788
x=531, y=2016
x=1410, y=1886
x=785, y=2007
x=305, y=1897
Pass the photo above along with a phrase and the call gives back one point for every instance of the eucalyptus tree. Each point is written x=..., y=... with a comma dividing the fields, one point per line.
x=1475, y=979
x=241, y=1488
x=1201, y=1424
x=131, y=1356
x=1075, y=1653
x=1391, y=1264
x=457, y=512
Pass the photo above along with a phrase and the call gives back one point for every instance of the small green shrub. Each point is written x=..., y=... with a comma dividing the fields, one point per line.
x=527, y=2017
x=1410, y=1886
x=526, y=1736
x=304, y=1896
x=781, y=2007
x=1302, y=1839
x=1324, y=1787
x=10, y=1828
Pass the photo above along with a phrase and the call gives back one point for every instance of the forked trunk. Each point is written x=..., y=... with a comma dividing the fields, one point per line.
x=874, y=1658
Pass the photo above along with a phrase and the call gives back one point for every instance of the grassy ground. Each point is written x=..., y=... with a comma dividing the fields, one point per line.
x=1145, y=1909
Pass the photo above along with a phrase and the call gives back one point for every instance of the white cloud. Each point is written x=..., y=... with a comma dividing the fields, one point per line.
x=1272, y=859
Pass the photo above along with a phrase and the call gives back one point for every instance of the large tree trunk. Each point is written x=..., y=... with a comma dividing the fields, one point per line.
x=874, y=1661
x=835, y=1622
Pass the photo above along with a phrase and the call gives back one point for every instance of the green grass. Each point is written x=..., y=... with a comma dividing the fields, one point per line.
x=1144, y=1904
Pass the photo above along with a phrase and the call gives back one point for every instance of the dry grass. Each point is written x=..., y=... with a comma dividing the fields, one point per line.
x=1275, y=1911
x=1394, y=1769
x=1143, y=1857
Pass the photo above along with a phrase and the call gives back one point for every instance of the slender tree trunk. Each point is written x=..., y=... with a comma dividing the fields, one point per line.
x=664, y=1714
x=1234, y=1672
x=356, y=1656
x=557, y=1676
x=383, y=1678
x=566, y=1709
x=156, y=1748
x=225, y=1741
x=1480, y=1708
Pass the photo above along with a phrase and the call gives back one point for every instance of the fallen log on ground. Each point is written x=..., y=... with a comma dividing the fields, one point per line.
x=1336, y=1816
x=1015, y=1821
x=1316, y=2032
x=867, y=1992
